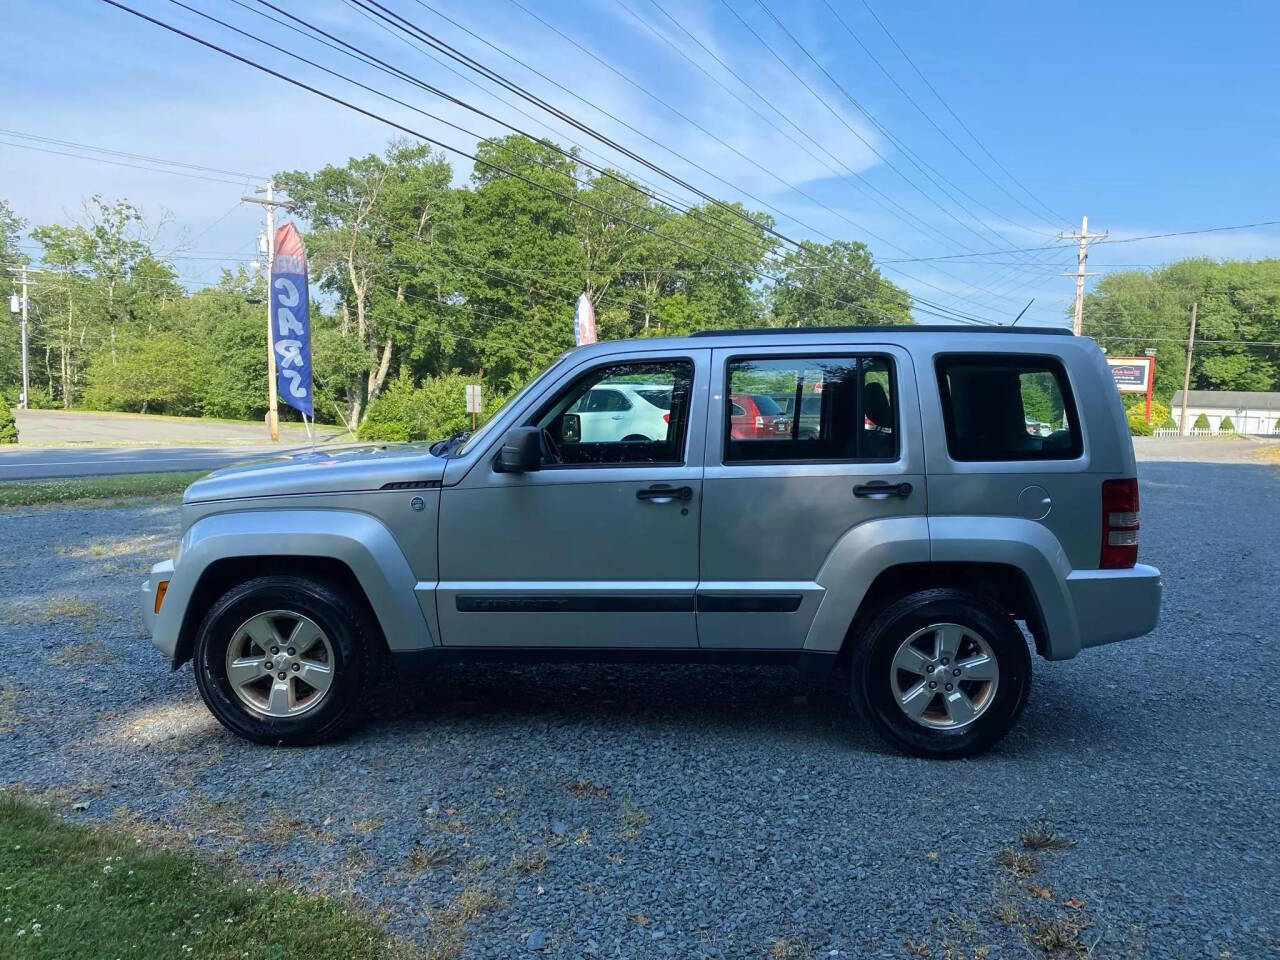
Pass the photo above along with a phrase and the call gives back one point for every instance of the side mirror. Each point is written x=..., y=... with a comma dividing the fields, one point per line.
x=521, y=450
x=571, y=428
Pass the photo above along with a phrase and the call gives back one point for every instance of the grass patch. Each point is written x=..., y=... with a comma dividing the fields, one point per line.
x=1041, y=836
x=1017, y=863
x=532, y=861
x=423, y=858
x=632, y=818
x=84, y=653
x=31, y=493
x=75, y=892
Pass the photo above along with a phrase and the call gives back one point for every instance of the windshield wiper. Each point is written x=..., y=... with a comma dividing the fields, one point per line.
x=445, y=447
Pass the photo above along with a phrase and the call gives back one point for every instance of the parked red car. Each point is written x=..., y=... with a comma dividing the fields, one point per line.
x=755, y=416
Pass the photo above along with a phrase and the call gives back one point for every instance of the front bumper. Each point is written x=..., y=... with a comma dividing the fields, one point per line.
x=165, y=640
x=1113, y=605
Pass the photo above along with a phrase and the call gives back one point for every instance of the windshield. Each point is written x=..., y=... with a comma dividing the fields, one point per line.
x=484, y=431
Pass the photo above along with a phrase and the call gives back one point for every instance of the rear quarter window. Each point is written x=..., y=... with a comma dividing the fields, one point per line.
x=1007, y=407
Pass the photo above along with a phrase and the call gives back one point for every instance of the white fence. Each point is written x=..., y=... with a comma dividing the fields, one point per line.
x=1173, y=432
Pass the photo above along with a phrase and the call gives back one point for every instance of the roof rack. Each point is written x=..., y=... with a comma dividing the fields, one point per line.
x=896, y=327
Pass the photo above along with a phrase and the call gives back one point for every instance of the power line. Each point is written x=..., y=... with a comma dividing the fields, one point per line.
x=1109, y=240
x=131, y=156
x=486, y=72
x=470, y=62
x=335, y=99
x=973, y=136
x=121, y=163
x=919, y=109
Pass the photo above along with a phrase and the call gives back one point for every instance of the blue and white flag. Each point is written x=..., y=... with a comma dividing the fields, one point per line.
x=291, y=320
x=584, y=321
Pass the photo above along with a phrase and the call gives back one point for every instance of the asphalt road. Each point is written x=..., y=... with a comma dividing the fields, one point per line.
x=688, y=812
x=61, y=443
x=21, y=463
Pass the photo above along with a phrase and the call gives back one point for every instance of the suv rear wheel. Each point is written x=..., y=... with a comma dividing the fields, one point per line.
x=941, y=673
x=285, y=660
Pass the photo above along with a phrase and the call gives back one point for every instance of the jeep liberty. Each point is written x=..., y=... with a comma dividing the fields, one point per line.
x=923, y=505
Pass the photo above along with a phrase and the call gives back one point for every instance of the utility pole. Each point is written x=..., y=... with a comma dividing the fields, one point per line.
x=273, y=415
x=1184, y=427
x=1082, y=256
x=26, y=386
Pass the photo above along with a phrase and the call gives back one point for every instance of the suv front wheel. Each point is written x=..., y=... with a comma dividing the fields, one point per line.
x=285, y=660
x=941, y=673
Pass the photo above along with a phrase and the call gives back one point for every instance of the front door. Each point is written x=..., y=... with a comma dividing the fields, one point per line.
x=599, y=548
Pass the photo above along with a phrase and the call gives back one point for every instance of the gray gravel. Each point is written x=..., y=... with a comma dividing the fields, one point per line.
x=688, y=812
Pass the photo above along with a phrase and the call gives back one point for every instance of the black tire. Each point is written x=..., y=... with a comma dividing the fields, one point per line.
x=872, y=673
x=353, y=639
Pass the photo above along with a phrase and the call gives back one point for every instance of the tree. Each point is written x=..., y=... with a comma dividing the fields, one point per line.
x=11, y=227
x=1238, y=302
x=836, y=284
x=376, y=228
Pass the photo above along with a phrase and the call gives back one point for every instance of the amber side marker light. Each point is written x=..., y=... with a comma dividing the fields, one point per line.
x=161, y=589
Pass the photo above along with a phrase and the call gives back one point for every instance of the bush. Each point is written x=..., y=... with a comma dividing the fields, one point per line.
x=1138, y=426
x=1202, y=423
x=1226, y=426
x=8, y=429
x=432, y=411
x=1275, y=427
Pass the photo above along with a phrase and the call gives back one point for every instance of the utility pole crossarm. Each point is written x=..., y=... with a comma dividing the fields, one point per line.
x=1082, y=257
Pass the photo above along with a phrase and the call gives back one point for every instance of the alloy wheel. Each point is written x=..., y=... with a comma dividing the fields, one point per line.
x=280, y=664
x=944, y=676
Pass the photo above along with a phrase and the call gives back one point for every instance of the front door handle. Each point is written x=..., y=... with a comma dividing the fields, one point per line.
x=664, y=494
x=879, y=490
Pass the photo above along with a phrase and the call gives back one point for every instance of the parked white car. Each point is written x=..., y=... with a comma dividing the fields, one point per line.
x=611, y=412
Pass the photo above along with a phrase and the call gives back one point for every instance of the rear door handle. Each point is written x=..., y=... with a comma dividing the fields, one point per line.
x=879, y=490
x=664, y=494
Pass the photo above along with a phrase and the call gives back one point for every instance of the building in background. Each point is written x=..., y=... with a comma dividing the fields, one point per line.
x=1251, y=411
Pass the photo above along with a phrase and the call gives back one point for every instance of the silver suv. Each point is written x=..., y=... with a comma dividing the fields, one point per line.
x=943, y=494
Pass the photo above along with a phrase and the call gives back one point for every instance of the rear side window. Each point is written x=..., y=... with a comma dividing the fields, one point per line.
x=1002, y=407
x=847, y=410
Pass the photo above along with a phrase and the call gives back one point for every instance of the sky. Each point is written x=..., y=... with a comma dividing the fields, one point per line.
x=1149, y=117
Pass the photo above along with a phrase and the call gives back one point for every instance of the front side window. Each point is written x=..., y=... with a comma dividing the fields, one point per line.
x=625, y=413
x=1001, y=407
x=810, y=409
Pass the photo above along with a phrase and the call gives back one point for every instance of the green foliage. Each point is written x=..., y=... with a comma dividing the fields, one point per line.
x=1226, y=426
x=8, y=428
x=1238, y=301
x=145, y=373
x=1201, y=423
x=432, y=411
x=1138, y=426
x=414, y=273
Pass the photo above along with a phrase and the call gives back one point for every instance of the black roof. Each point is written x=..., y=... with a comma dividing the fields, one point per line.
x=896, y=327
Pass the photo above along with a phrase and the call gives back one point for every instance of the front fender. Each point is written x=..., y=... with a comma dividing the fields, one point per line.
x=359, y=541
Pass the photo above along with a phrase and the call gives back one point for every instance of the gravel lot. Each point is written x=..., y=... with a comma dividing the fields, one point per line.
x=682, y=812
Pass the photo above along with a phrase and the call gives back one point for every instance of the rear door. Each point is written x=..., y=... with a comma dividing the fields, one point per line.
x=775, y=505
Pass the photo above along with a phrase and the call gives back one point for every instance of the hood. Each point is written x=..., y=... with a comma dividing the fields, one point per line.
x=321, y=471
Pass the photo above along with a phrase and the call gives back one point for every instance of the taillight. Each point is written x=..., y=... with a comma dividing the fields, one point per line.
x=1119, y=524
x=666, y=418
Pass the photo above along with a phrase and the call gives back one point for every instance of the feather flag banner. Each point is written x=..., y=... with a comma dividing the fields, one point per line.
x=291, y=320
x=584, y=321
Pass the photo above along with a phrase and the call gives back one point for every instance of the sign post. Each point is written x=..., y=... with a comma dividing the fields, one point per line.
x=1134, y=375
x=473, y=402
